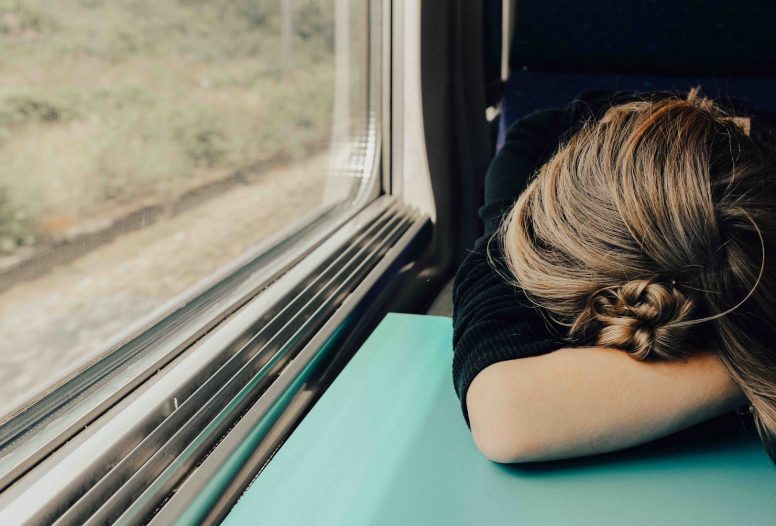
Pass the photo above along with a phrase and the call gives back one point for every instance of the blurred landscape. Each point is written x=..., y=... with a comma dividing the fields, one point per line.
x=207, y=121
x=105, y=103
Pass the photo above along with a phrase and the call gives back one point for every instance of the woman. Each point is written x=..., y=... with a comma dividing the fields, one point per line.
x=629, y=291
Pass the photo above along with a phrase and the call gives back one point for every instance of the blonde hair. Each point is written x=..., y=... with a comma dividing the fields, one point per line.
x=652, y=230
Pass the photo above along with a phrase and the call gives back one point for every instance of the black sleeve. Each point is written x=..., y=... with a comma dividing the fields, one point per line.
x=492, y=320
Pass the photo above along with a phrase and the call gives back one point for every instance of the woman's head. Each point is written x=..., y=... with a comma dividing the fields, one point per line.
x=653, y=230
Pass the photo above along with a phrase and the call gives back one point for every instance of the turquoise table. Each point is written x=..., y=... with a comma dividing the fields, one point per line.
x=387, y=445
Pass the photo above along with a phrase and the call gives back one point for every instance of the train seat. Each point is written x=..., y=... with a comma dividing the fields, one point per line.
x=560, y=49
x=386, y=444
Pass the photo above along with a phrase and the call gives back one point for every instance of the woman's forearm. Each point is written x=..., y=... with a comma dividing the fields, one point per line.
x=587, y=400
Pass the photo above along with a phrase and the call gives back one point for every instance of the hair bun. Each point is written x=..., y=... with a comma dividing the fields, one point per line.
x=642, y=317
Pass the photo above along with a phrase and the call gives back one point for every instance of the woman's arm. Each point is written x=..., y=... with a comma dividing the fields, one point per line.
x=587, y=400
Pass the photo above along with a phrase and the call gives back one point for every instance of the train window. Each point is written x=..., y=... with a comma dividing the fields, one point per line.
x=144, y=145
x=191, y=205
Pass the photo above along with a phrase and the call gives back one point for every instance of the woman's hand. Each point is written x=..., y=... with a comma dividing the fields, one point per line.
x=588, y=400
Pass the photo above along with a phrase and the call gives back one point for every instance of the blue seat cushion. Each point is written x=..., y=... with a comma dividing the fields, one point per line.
x=529, y=90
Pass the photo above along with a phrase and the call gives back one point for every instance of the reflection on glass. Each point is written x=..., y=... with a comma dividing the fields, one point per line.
x=146, y=143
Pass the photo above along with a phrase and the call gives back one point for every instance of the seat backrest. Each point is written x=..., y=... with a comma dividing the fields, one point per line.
x=709, y=37
x=561, y=48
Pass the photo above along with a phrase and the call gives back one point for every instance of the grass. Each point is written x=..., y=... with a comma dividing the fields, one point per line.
x=105, y=102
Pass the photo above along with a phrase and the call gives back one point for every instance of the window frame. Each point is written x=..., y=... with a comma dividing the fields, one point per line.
x=39, y=426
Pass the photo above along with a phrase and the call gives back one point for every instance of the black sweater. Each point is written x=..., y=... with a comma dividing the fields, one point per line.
x=492, y=320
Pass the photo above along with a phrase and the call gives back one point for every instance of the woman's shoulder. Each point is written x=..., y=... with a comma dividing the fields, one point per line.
x=529, y=142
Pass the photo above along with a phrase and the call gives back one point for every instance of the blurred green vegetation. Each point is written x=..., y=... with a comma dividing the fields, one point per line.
x=105, y=102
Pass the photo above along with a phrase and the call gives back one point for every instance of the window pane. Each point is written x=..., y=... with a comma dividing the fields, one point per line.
x=146, y=143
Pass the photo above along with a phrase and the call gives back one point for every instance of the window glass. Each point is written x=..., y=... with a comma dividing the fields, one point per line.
x=146, y=143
